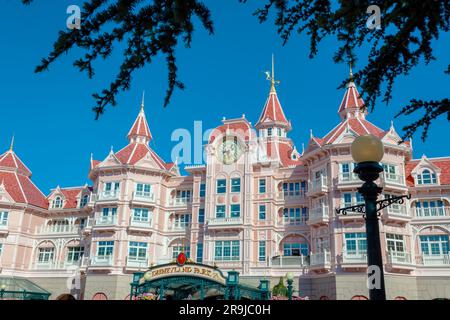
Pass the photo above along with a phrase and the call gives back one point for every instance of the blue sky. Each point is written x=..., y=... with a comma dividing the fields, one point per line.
x=50, y=113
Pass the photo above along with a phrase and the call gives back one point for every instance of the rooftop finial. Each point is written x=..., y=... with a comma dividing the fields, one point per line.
x=11, y=147
x=271, y=76
x=351, y=70
x=143, y=100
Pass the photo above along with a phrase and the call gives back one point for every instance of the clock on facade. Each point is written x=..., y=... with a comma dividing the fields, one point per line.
x=229, y=150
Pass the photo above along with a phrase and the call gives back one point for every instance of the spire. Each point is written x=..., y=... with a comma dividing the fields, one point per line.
x=271, y=77
x=352, y=105
x=143, y=100
x=140, y=131
x=272, y=115
x=11, y=147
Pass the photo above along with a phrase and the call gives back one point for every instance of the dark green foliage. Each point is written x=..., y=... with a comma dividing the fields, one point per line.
x=280, y=289
x=151, y=27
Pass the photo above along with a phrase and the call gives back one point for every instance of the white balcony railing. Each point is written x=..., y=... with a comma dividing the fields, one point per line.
x=432, y=213
x=349, y=177
x=290, y=261
x=145, y=224
x=137, y=262
x=297, y=221
x=179, y=202
x=436, y=259
x=356, y=257
x=319, y=213
x=106, y=220
x=225, y=221
x=101, y=261
x=321, y=258
x=144, y=196
x=393, y=178
x=58, y=229
x=318, y=185
x=108, y=195
x=292, y=194
x=44, y=265
x=397, y=209
x=179, y=226
x=399, y=257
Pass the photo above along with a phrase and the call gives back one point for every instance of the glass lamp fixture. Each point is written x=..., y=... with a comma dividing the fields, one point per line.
x=367, y=148
x=290, y=276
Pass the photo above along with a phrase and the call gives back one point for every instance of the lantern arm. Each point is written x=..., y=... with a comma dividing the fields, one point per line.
x=358, y=208
x=381, y=204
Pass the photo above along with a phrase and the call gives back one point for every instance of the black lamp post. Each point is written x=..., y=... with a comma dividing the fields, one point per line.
x=367, y=151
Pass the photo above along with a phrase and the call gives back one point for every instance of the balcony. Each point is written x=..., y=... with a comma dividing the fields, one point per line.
x=396, y=212
x=179, y=227
x=318, y=186
x=349, y=178
x=392, y=179
x=44, y=265
x=4, y=228
x=318, y=216
x=105, y=222
x=180, y=202
x=226, y=222
x=354, y=259
x=140, y=225
x=292, y=196
x=137, y=263
x=108, y=195
x=435, y=260
x=321, y=260
x=143, y=197
x=289, y=261
x=432, y=213
x=399, y=260
x=292, y=222
x=101, y=261
x=65, y=229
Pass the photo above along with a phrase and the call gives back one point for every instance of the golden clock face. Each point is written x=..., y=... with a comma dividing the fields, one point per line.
x=229, y=151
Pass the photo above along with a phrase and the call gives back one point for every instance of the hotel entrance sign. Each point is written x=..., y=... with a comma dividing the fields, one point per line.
x=192, y=270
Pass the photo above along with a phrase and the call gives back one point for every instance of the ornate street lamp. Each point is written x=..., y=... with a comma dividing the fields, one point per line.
x=367, y=152
x=290, y=281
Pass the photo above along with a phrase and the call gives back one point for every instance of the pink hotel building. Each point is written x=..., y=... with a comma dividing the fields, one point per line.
x=257, y=206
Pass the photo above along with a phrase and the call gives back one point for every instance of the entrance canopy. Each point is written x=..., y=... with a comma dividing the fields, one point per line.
x=192, y=281
x=14, y=288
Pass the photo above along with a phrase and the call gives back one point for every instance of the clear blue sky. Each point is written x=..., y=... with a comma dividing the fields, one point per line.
x=50, y=113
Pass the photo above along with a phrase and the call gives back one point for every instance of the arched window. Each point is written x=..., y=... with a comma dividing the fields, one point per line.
x=400, y=298
x=426, y=177
x=58, y=202
x=84, y=201
x=324, y=298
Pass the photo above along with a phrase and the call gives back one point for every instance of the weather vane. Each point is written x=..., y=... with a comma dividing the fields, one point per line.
x=271, y=77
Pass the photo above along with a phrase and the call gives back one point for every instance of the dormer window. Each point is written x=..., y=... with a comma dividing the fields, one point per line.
x=280, y=133
x=269, y=132
x=426, y=177
x=57, y=203
x=84, y=201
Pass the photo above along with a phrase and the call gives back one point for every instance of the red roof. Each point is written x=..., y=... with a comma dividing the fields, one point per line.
x=140, y=127
x=441, y=163
x=22, y=189
x=357, y=125
x=273, y=112
x=283, y=151
x=351, y=100
x=239, y=127
x=134, y=152
x=11, y=161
